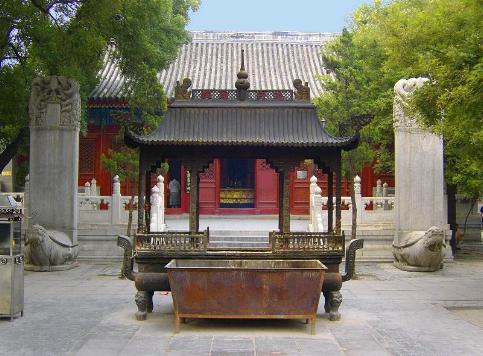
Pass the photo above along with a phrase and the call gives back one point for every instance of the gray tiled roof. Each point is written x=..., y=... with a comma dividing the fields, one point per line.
x=292, y=124
x=212, y=59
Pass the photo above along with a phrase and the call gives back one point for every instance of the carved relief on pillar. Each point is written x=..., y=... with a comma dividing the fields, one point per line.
x=55, y=90
x=402, y=90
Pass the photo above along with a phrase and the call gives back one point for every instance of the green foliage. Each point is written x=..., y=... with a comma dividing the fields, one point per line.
x=70, y=38
x=347, y=93
x=123, y=162
x=440, y=40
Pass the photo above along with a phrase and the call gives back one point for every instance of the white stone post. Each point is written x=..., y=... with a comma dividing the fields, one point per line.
x=87, y=189
x=317, y=224
x=384, y=189
x=116, y=201
x=358, y=198
x=313, y=185
x=157, y=206
x=379, y=188
x=94, y=187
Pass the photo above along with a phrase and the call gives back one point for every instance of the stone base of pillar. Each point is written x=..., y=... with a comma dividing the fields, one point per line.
x=33, y=268
x=49, y=250
x=421, y=251
x=408, y=268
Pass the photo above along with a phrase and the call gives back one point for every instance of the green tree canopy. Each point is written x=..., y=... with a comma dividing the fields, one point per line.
x=70, y=38
x=438, y=39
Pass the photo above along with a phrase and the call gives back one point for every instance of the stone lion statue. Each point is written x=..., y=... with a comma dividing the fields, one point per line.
x=47, y=250
x=421, y=250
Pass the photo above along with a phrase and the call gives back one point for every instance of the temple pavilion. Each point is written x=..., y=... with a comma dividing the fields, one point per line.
x=248, y=184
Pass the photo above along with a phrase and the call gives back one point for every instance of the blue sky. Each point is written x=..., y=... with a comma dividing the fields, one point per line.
x=273, y=15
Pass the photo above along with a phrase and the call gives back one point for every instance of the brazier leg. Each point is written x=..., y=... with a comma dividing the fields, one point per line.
x=142, y=302
x=176, y=324
x=332, y=303
x=149, y=305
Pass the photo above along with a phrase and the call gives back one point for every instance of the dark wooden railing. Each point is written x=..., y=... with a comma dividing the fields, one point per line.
x=173, y=241
x=306, y=242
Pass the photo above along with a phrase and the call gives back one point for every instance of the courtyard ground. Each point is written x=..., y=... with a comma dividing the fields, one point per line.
x=90, y=311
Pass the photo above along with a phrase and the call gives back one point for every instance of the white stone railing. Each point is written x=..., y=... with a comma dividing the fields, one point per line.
x=114, y=209
x=370, y=210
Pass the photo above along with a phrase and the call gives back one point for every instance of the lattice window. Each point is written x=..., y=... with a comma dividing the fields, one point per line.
x=270, y=95
x=208, y=173
x=87, y=152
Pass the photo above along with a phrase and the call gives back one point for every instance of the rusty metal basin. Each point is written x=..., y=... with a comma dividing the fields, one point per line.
x=270, y=289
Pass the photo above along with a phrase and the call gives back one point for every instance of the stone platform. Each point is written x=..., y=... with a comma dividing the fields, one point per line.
x=90, y=311
x=98, y=243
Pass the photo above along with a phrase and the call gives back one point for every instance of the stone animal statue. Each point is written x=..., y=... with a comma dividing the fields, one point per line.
x=46, y=249
x=421, y=251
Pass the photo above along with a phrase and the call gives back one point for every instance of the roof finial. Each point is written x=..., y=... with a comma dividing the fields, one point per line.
x=242, y=84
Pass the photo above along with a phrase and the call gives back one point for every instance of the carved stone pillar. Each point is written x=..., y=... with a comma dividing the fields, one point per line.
x=421, y=228
x=54, y=109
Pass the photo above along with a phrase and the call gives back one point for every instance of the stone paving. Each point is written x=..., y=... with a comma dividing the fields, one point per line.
x=90, y=311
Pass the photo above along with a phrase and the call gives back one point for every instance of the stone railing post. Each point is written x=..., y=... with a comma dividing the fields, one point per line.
x=87, y=188
x=384, y=194
x=317, y=224
x=358, y=198
x=94, y=186
x=116, y=201
x=379, y=188
x=313, y=185
x=157, y=206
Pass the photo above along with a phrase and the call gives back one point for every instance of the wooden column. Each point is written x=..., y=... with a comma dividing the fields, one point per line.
x=286, y=200
x=141, y=192
x=338, y=186
x=330, y=200
x=194, y=218
x=280, y=201
x=284, y=197
x=147, y=200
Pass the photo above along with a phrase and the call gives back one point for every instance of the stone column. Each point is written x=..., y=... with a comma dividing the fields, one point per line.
x=116, y=201
x=358, y=196
x=156, y=221
x=420, y=221
x=54, y=109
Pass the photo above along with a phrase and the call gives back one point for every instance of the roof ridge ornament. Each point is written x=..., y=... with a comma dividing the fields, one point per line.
x=303, y=91
x=242, y=84
x=181, y=91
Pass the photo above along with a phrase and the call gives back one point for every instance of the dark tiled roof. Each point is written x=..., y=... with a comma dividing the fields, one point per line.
x=211, y=60
x=290, y=124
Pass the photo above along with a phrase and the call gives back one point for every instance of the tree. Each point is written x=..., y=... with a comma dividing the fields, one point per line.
x=124, y=162
x=345, y=99
x=439, y=40
x=387, y=41
x=70, y=38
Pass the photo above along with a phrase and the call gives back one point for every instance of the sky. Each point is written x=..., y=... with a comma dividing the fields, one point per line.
x=273, y=15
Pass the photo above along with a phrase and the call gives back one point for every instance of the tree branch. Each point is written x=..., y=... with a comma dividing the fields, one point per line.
x=12, y=148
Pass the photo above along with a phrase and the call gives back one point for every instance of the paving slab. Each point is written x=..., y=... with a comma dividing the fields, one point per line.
x=385, y=311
